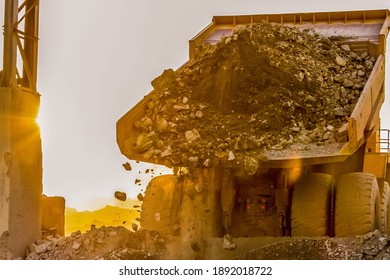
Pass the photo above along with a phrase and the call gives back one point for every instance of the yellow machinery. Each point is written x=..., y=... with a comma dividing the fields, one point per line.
x=338, y=193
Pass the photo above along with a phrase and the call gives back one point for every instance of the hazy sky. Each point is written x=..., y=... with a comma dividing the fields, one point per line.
x=96, y=61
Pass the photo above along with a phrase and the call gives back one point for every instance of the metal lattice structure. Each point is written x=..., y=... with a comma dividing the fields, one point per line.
x=20, y=42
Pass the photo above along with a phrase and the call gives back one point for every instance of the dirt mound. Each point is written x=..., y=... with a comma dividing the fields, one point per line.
x=105, y=243
x=118, y=243
x=372, y=246
x=265, y=88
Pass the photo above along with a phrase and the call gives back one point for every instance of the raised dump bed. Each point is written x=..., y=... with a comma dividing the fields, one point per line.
x=365, y=33
x=275, y=123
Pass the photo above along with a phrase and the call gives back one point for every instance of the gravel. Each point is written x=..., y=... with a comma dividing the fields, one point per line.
x=264, y=92
x=118, y=243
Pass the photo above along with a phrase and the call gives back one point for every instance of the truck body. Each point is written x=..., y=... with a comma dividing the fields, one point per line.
x=338, y=191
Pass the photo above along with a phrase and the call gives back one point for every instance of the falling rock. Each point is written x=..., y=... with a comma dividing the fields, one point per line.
x=120, y=196
x=140, y=197
x=127, y=166
x=207, y=163
x=341, y=61
x=134, y=226
x=250, y=165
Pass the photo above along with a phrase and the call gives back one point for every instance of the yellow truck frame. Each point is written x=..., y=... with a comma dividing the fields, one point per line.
x=322, y=194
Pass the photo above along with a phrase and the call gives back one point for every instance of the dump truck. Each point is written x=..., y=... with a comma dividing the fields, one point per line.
x=334, y=190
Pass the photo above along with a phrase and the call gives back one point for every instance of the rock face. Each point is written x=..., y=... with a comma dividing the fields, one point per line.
x=265, y=87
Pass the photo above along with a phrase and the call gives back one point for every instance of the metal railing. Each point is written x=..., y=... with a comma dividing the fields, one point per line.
x=384, y=140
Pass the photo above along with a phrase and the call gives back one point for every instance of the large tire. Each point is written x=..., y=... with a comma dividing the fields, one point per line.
x=357, y=204
x=161, y=204
x=385, y=209
x=310, y=210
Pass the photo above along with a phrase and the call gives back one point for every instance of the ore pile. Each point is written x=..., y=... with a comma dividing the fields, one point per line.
x=4, y=247
x=266, y=87
x=375, y=246
x=370, y=246
x=105, y=243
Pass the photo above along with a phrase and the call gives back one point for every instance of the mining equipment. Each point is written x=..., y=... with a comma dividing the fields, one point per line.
x=342, y=192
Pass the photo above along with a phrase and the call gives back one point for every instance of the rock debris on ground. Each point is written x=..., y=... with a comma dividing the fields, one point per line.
x=118, y=243
x=371, y=246
x=105, y=243
x=264, y=89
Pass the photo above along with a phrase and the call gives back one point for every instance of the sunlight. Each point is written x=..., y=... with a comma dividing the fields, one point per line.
x=39, y=120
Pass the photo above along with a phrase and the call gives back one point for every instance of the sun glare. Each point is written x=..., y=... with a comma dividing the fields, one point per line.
x=39, y=120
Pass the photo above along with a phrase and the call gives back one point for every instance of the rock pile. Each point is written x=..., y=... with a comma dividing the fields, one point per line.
x=118, y=243
x=371, y=246
x=375, y=246
x=106, y=243
x=4, y=246
x=264, y=88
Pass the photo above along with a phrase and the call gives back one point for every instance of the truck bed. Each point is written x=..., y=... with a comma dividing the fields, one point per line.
x=363, y=31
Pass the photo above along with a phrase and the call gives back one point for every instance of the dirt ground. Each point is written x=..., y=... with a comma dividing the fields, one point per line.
x=118, y=243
